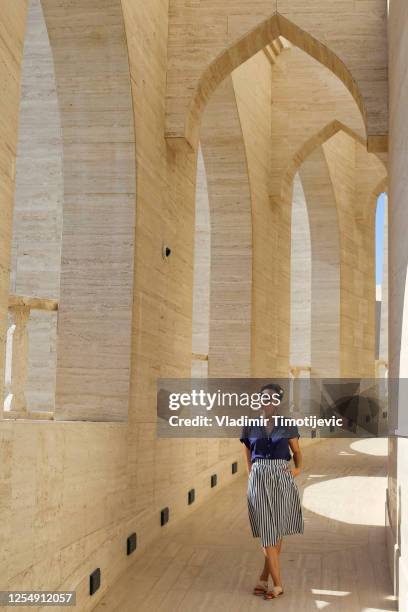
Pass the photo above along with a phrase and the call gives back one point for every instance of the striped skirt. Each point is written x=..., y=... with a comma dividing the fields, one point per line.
x=273, y=501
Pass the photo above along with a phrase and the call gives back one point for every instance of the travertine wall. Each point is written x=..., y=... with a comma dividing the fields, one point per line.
x=355, y=175
x=340, y=180
x=202, y=267
x=398, y=290
x=253, y=84
x=37, y=218
x=73, y=491
x=240, y=28
x=300, y=279
x=276, y=147
x=161, y=471
x=325, y=266
x=231, y=236
x=13, y=16
x=94, y=320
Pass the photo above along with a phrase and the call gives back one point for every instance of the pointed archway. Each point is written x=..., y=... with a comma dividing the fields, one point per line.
x=205, y=65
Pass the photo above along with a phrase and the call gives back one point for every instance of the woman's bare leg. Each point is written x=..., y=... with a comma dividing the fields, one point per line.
x=265, y=571
x=272, y=555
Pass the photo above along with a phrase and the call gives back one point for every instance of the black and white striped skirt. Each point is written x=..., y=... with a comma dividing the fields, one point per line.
x=273, y=501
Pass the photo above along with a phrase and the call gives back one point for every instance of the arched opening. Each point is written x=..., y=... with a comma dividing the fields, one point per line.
x=381, y=281
x=74, y=219
x=327, y=293
x=248, y=46
x=274, y=154
x=37, y=229
x=307, y=148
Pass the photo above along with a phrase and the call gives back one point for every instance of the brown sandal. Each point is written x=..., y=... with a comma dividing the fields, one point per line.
x=272, y=594
x=261, y=589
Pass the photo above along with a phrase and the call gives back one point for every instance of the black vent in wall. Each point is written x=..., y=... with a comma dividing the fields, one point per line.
x=164, y=516
x=94, y=581
x=131, y=543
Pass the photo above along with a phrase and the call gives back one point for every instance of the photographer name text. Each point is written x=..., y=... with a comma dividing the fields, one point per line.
x=262, y=421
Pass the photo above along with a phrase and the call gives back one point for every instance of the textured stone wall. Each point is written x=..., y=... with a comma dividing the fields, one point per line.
x=94, y=321
x=231, y=236
x=202, y=276
x=355, y=175
x=252, y=84
x=74, y=490
x=13, y=18
x=37, y=219
x=227, y=34
x=398, y=291
x=325, y=266
x=300, y=279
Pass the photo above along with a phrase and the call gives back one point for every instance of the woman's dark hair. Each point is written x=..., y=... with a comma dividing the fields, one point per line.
x=275, y=387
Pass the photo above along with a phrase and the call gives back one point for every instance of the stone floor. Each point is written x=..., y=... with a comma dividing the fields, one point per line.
x=209, y=561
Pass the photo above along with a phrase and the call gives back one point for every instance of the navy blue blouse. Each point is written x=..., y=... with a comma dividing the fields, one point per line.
x=274, y=445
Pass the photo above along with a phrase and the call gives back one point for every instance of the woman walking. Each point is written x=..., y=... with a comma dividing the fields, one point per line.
x=273, y=497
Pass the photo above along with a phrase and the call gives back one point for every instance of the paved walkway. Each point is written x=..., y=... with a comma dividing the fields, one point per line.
x=210, y=562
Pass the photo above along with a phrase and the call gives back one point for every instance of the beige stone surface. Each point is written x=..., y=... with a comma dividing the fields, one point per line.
x=76, y=490
x=96, y=291
x=225, y=35
x=225, y=160
x=300, y=279
x=398, y=295
x=276, y=148
x=73, y=490
x=11, y=53
x=202, y=275
x=37, y=217
x=325, y=266
x=252, y=84
x=355, y=175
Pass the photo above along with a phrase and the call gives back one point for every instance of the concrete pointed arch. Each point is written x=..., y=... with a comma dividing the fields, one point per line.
x=325, y=265
x=249, y=45
x=309, y=146
x=329, y=259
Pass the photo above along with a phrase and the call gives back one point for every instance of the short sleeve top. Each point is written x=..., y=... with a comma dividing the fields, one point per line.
x=273, y=445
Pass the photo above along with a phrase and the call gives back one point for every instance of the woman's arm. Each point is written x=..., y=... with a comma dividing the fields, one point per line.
x=297, y=456
x=247, y=454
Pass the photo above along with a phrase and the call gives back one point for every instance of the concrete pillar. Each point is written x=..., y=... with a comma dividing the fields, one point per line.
x=300, y=279
x=325, y=256
x=398, y=297
x=231, y=236
x=202, y=266
x=96, y=295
